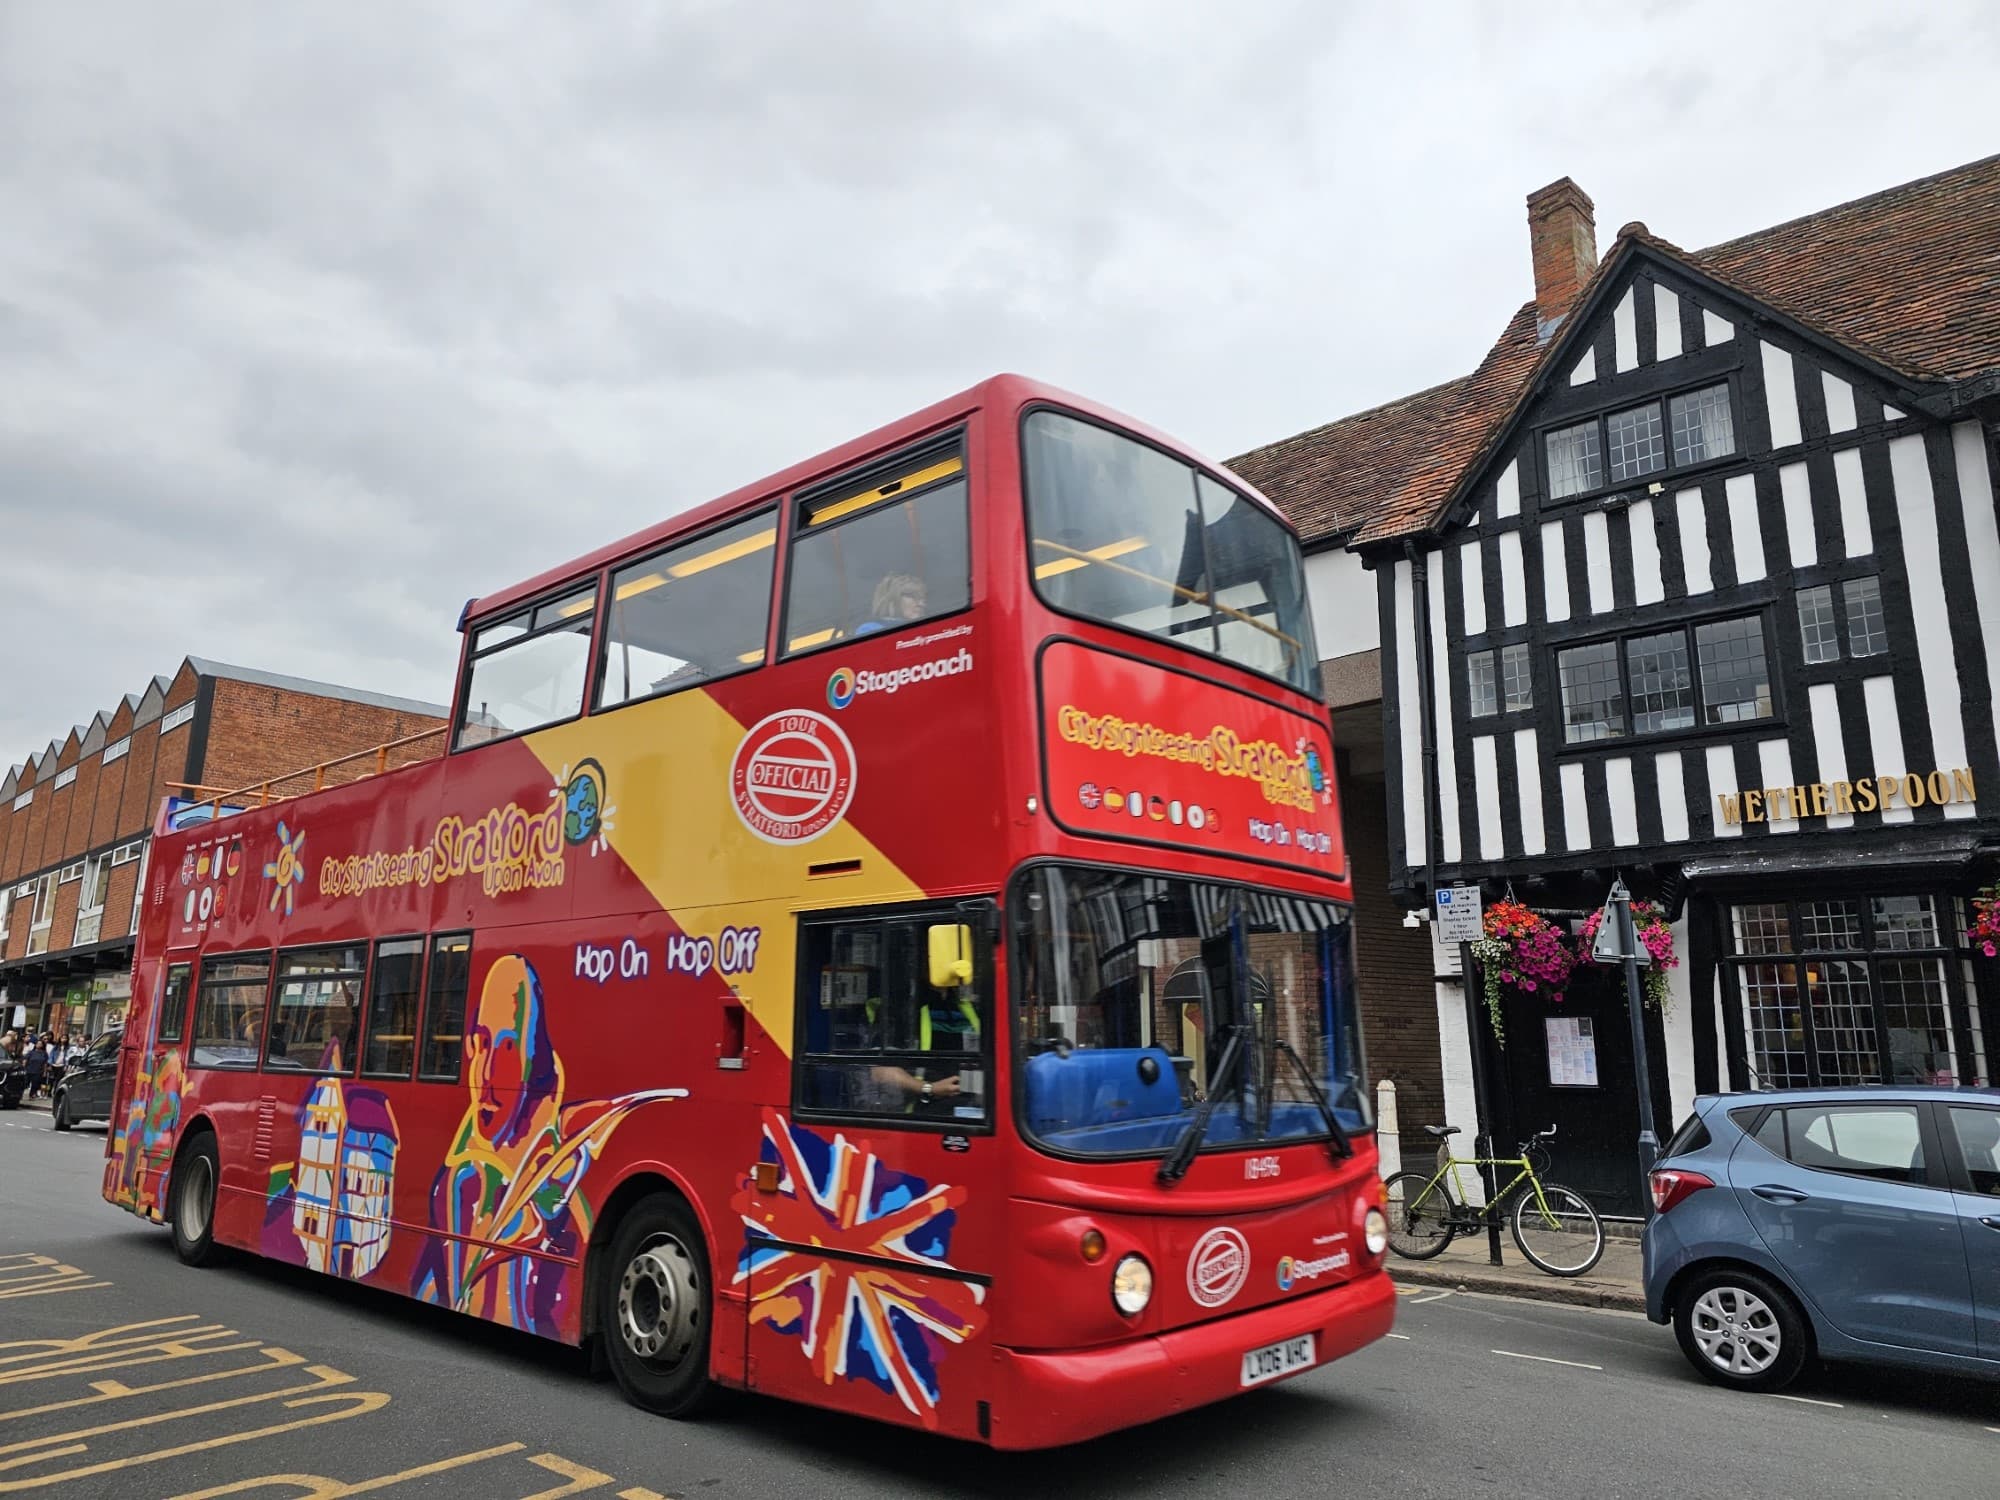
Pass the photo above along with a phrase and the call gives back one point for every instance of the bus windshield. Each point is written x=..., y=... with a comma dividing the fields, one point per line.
x=1142, y=995
x=1124, y=533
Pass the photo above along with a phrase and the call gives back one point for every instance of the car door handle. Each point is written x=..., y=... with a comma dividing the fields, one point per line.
x=1991, y=1222
x=1772, y=1194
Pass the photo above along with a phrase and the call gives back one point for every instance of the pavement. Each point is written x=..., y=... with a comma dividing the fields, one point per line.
x=1616, y=1281
x=126, y=1376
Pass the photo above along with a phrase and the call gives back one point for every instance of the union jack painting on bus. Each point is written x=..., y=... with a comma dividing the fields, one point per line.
x=846, y=1255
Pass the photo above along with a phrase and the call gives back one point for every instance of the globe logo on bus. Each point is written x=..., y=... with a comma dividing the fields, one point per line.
x=583, y=802
x=840, y=688
x=1218, y=1266
x=792, y=777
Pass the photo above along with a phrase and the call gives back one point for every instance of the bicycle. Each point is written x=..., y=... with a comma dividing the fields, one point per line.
x=1555, y=1226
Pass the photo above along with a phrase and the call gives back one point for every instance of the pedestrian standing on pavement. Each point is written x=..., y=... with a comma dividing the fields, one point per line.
x=38, y=1063
x=58, y=1061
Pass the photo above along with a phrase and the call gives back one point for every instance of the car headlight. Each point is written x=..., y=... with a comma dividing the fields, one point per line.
x=1132, y=1284
x=1375, y=1231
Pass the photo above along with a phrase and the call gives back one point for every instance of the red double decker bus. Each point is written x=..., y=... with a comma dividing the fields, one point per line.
x=880, y=939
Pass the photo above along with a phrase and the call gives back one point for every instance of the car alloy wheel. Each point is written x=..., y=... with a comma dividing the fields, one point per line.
x=1736, y=1331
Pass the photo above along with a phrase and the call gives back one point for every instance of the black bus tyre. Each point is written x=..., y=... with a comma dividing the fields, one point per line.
x=1426, y=1232
x=59, y=1111
x=656, y=1307
x=193, y=1191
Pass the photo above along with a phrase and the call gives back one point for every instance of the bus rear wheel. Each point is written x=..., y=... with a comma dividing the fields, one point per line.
x=656, y=1307
x=197, y=1171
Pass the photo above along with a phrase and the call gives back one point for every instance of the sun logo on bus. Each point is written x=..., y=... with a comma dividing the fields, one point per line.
x=288, y=869
x=586, y=813
x=840, y=688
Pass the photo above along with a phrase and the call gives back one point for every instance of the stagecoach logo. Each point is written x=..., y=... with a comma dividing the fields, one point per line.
x=793, y=777
x=1218, y=1266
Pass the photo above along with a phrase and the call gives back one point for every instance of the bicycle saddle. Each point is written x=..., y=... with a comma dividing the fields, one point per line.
x=1441, y=1131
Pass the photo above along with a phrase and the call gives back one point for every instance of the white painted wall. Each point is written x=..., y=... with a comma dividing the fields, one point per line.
x=1460, y=1107
x=1680, y=1037
x=1342, y=596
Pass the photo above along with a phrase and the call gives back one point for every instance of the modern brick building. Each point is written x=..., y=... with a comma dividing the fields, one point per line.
x=76, y=820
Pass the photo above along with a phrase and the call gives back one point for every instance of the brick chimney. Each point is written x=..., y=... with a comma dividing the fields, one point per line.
x=1562, y=233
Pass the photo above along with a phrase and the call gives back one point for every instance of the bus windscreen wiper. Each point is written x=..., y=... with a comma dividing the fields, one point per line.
x=1174, y=1165
x=1337, y=1143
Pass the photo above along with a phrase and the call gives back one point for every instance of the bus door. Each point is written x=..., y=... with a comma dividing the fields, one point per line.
x=872, y=1203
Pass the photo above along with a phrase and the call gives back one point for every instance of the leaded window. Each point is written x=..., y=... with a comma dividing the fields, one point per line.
x=1694, y=427
x=1819, y=633
x=1662, y=685
x=1576, y=464
x=1637, y=444
x=1735, y=673
x=1867, y=634
x=1855, y=990
x=1703, y=425
x=1593, y=696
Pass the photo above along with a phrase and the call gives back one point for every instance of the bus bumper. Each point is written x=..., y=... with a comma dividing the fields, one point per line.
x=1043, y=1400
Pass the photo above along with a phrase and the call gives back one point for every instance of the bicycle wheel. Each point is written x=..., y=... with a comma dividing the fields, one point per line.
x=1559, y=1231
x=1421, y=1215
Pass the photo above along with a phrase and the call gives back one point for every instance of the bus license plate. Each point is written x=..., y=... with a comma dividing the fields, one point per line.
x=1274, y=1360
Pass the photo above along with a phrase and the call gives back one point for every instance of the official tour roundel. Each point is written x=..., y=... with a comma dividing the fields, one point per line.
x=792, y=777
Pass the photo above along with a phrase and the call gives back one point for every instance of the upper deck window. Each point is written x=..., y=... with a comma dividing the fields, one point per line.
x=1126, y=534
x=528, y=669
x=880, y=551
x=689, y=614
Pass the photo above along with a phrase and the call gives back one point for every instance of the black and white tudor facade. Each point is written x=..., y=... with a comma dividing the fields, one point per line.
x=1720, y=611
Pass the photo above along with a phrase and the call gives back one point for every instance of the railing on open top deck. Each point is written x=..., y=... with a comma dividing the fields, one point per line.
x=393, y=755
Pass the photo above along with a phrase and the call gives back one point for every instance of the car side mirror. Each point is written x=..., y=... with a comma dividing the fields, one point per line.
x=950, y=955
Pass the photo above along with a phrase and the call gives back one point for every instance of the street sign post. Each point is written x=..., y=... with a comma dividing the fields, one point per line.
x=1460, y=914
x=1625, y=948
x=1461, y=920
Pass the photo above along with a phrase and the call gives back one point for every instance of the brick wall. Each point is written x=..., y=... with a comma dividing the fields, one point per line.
x=256, y=731
x=249, y=732
x=1393, y=968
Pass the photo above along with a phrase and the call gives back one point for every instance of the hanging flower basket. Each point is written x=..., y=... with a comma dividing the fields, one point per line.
x=1522, y=952
x=1986, y=921
x=1655, y=935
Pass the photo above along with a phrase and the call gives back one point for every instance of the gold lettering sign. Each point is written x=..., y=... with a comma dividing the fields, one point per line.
x=1762, y=804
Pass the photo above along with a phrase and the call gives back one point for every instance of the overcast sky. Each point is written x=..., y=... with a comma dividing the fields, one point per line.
x=312, y=328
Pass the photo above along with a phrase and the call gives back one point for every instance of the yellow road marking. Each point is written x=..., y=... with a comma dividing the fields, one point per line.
x=317, y=1487
x=639, y=1493
x=580, y=1478
x=363, y=1402
x=112, y=1390
x=324, y=1376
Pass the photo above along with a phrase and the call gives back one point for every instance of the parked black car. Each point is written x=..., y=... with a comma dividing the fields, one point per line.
x=13, y=1083
x=88, y=1084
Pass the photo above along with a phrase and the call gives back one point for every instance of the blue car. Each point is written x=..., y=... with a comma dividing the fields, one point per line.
x=1852, y=1224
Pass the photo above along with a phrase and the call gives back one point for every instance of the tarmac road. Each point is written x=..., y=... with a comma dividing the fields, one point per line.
x=123, y=1373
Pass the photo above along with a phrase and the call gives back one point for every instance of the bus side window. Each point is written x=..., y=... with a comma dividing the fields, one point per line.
x=229, y=1017
x=173, y=1003
x=528, y=669
x=390, y=1050
x=878, y=1038
x=879, y=551
x=444, y=1008
x=690, y=614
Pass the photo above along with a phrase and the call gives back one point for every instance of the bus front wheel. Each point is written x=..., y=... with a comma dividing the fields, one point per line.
x=657, y=1307
x=196, y=1172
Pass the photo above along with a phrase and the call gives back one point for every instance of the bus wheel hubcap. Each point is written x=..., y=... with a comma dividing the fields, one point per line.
x=194, y=1201
x=659, y=1302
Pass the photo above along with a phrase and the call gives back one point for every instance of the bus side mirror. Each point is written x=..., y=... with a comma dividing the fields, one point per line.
x=951, y=955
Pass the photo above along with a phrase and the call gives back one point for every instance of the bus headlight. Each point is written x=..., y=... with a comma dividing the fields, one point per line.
x=1375, y=1231
x=1132, y=1284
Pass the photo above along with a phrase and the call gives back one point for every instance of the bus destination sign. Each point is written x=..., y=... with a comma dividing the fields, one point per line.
x=1140, y=752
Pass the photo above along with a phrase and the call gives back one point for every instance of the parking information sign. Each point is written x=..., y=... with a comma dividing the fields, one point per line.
x=1459, y=913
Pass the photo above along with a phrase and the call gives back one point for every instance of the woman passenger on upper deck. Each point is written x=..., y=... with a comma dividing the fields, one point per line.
x=899, y=598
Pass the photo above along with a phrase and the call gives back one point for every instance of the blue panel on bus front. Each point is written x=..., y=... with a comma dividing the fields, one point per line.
x=1099, y=1086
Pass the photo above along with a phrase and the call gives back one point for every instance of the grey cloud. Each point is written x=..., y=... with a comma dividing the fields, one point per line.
x=316, y=320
